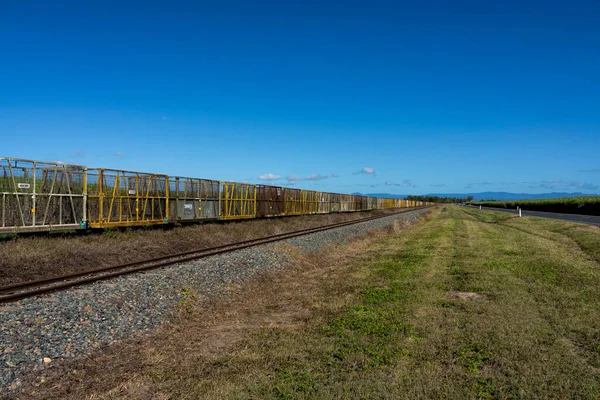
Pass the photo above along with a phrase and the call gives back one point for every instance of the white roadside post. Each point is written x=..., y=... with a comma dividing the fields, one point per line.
x=519, y=211
x=480, y=207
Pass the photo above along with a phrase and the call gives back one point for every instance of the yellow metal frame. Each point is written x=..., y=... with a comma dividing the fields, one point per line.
x=293, y=201
x=128, y=199
x=310, y=203
x=237, y=201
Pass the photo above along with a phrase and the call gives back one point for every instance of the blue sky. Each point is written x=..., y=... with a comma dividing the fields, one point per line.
x=346, y=96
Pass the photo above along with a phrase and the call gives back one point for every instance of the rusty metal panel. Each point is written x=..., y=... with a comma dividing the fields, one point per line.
x=324, y=202
x=358, y=202
x=237, y=200
x=310, y=203
x=41, y=196
x=371, y=203
x=193, y=199
x=364, y=203
x=352, y=203
x=126, y=198
x=334, y=202
x=347, y=203
x=270, y=201
x=293, y=201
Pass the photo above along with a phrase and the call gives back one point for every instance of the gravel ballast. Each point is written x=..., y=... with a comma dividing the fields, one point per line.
x=36, y=333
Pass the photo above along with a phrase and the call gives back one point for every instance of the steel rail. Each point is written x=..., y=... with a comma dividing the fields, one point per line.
x=29, y=289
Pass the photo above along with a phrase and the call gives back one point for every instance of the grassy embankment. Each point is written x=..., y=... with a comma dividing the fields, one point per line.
x=586, y=205
x=468, y=304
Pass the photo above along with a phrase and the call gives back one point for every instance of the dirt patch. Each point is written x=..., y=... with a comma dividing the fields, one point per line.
x=220, y=337
x=467, y=296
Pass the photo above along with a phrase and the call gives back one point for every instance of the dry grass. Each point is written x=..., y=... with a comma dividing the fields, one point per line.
x=29, y=258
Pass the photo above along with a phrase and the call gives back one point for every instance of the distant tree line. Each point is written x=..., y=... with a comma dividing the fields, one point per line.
x=437, y=199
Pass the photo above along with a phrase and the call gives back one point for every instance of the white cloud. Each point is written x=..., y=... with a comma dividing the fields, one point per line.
x=316, y=177
x=118, y=154
x=388, y=183
x=311, y=177
x=366, y=171
x=335, y=175
x=269, y=177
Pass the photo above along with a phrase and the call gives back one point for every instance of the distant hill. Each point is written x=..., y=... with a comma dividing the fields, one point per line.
x=492, y=195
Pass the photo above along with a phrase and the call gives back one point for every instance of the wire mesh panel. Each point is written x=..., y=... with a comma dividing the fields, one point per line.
x=41, y=196
x=309, y=202
x=193, y=199
x=293, y=201
x=269, y=201
x=371, y=203
x=124, y=198
x=238, y=200
x=352, y=202
x=388, y=203
x=358, y=202
x=346, y=202
x=334, y=202
x=324, y=202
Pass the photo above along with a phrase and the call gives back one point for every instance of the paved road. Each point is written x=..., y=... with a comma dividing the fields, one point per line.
x=584, y=219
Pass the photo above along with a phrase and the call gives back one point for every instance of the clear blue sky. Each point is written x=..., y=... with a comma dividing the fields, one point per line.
x=341, y=96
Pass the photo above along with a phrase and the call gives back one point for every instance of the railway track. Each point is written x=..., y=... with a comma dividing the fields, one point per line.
x=30, y=289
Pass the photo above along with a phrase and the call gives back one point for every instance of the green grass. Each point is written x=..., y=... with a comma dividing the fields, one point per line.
x=532, y=331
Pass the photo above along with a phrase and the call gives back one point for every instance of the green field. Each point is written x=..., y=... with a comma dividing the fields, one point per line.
x=586, y=205
x=465, y=304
